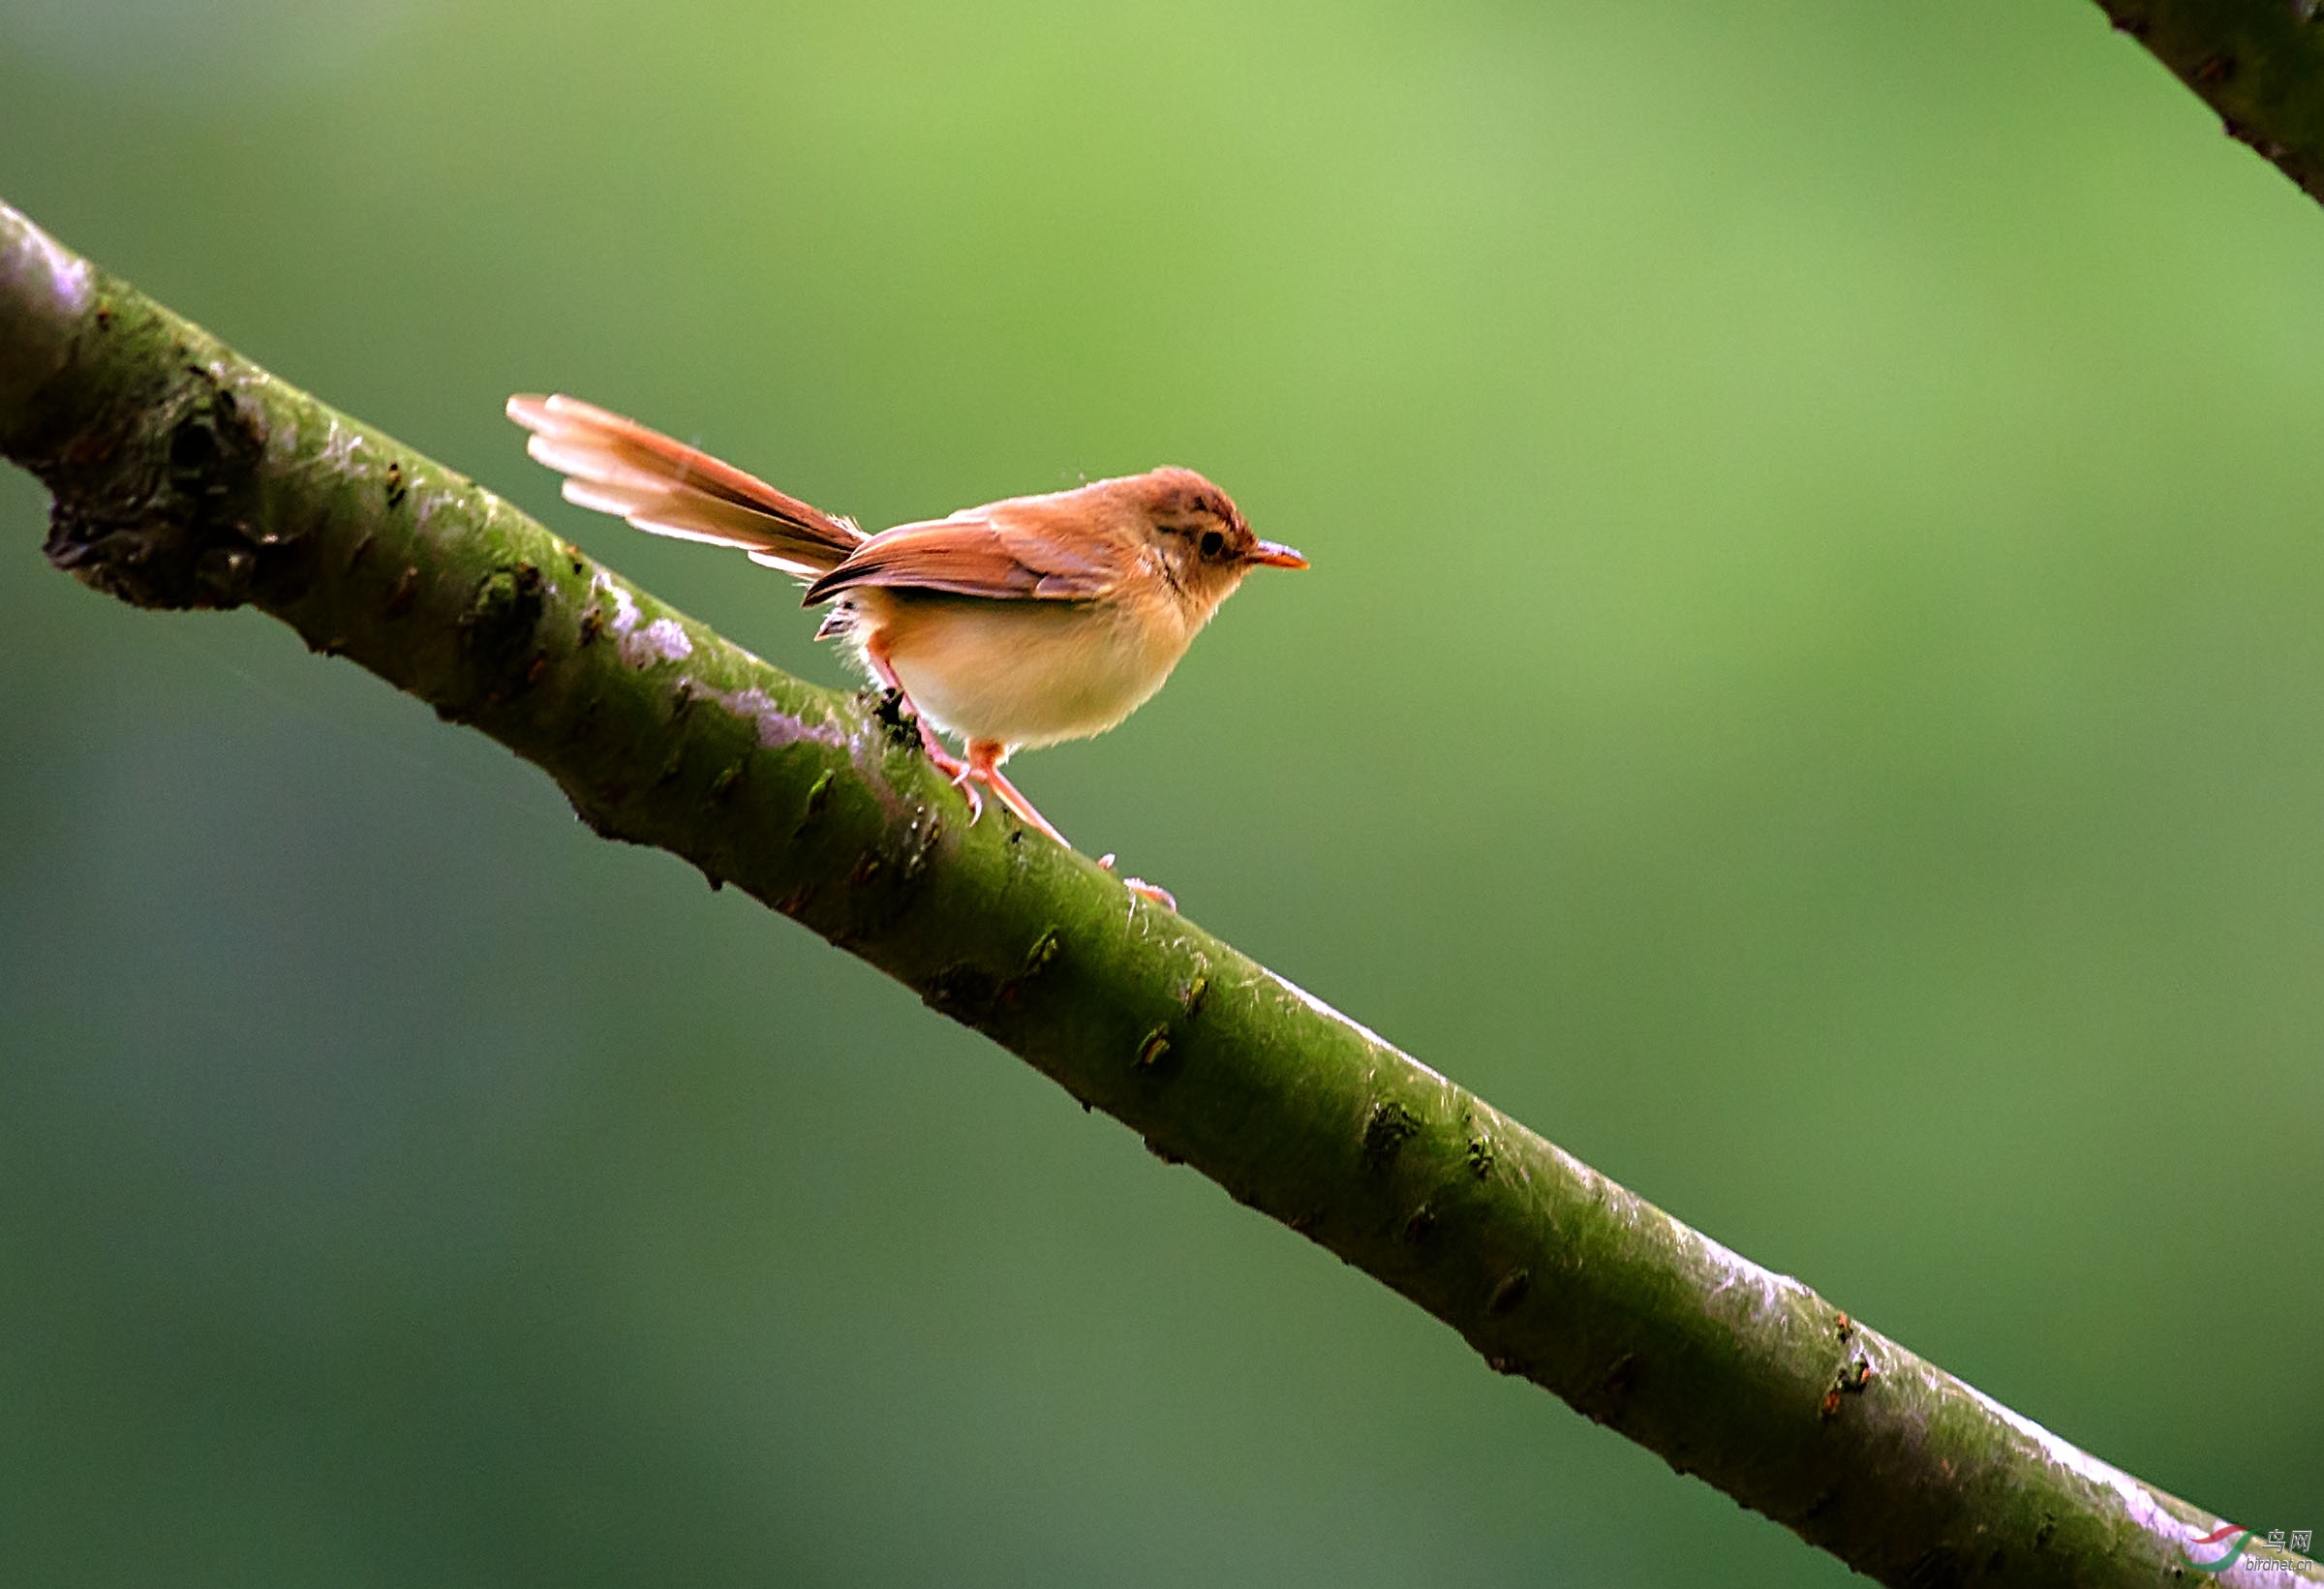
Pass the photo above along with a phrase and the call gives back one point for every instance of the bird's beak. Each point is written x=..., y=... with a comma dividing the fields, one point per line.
x=1275, y=554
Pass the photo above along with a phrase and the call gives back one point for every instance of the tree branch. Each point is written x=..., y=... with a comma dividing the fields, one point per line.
x=186, y=477
x=2258, y=62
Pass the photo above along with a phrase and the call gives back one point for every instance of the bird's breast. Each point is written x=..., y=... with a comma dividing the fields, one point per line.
x=1025, y=673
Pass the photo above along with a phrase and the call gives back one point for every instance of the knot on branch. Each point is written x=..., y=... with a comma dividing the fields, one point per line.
x=495, y=631
x=153, y=502
x=1385, y=1130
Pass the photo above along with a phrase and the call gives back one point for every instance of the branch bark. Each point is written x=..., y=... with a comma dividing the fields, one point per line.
x=2258, y=62
x=185, y=477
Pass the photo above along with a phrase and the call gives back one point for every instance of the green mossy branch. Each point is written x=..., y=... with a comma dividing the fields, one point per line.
x=185, y=477
x=2258, y=62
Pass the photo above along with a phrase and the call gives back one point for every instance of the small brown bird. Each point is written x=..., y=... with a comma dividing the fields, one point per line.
x=1016, y=625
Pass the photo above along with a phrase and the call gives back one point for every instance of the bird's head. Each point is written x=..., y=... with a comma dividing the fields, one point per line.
x=1198, y=537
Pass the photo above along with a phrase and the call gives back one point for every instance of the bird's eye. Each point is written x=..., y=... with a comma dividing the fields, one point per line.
x=1213, y=544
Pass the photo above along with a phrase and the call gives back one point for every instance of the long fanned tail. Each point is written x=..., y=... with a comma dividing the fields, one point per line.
x=666, y=488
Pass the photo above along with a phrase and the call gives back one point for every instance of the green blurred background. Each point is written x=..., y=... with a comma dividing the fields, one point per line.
x=1810, y=694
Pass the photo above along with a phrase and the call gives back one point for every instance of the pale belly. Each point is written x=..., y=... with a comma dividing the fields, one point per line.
x=1023, y=673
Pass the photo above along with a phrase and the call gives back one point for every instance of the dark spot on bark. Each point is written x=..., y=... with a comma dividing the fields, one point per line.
x=354, y=559
x=1508, y=1295
x=495, y=632
x=1852, y=1380
x=818, y=795
x=2218, y=67
x=1385, y=1132
x=1938, y=1568
x=1037, y=959
x=91, y=447
x=1153, y=1051
x=226, y=573
x=1420, y=1225
x=1191, y=994
x=1843, y=1325
x=538, y=666
x=927, y=830
x=1481, y=1155
x=682, y=700
x=2041, y=1534
x=963, y=990
x=722, y=787
x=1603, y=1403
x=1042, y=954
x=593, y=624
x=105, y=316
x=406, y=591
x=193, y=447
x=396, y=489
x=867, y=867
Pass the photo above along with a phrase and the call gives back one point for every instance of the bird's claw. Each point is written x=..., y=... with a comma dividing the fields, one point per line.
x=1154, y=892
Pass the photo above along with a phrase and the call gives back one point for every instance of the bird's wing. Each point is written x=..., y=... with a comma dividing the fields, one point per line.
x=617, y=466
x=1031, y=548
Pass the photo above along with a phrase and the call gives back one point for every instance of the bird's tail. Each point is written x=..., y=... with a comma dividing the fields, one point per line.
x=617, y=466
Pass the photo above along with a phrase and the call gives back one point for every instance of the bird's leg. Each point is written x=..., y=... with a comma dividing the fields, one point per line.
x=985, y=758
x=952, y=767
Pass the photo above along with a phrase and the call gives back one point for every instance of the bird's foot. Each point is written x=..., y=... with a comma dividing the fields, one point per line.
x=1154, y=892
x=985, y=756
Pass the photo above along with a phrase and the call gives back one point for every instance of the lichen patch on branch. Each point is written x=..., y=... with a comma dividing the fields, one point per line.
x=642, y=644
x=776, y=727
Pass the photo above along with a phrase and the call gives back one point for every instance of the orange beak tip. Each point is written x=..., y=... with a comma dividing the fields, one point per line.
x=1277, y=555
